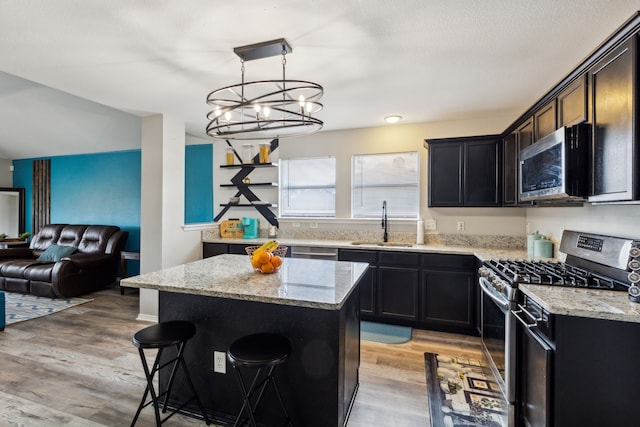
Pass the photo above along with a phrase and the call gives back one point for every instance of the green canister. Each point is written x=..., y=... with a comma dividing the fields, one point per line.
x=530, y=239
x=543, y=248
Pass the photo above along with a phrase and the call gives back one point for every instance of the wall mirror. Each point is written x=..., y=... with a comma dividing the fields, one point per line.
x=11, y=211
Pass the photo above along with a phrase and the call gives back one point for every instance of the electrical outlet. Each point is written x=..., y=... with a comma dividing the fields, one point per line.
x=460, y=225
x=313, y=225
x=296, y=225
x=219, y=362
x=429, y=224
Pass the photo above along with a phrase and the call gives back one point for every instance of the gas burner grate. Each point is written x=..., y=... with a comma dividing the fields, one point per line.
x=552, y=273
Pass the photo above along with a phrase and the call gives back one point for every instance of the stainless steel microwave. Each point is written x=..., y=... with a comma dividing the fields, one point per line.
x=556, y=167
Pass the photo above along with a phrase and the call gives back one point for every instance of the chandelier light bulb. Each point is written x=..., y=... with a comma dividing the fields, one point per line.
x=301, y=101
x=309, y=107
x=227, y=116
x=266, y=111
x=217, y=112
x=256, y=107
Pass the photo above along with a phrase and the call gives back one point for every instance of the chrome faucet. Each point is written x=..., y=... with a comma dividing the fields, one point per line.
x=385, y=236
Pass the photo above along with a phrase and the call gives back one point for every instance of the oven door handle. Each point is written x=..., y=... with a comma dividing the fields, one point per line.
x=503, y=303
x=529, y=327
x=518, y=315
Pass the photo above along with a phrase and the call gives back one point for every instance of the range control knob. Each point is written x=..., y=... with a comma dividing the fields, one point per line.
x=634, y=264
x=634, y=293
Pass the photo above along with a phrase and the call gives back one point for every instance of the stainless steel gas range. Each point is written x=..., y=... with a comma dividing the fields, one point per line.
x=592, y=261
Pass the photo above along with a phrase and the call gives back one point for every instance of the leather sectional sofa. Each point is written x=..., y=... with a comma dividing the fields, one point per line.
x=47, y=269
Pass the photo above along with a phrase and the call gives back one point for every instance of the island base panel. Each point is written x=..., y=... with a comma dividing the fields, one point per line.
x=318, y=382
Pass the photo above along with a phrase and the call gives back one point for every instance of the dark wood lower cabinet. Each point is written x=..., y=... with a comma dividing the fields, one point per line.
x=448, y=299
x=424, y=290
x=398, y=292
x=585, y=376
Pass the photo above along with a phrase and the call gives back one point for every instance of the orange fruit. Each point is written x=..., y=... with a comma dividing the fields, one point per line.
x=264, y=257
x=276, y=261
x=267, y=267
x=255, y=262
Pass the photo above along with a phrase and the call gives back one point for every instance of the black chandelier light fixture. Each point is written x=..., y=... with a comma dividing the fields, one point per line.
x=264, y=109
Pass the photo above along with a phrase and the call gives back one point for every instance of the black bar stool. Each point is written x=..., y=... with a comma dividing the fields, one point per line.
x=258, y=351
x=160, y=336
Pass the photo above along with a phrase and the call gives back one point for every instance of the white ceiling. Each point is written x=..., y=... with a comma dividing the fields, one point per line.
x=427, y=60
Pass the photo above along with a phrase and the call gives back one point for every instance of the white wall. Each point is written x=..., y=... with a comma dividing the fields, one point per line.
x=6, y=176
x=163, y=241
x=613, y=220
x=389, y=138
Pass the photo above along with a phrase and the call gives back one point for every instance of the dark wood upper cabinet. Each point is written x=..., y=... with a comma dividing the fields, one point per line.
x=483, y=172
x=446, y=174
x=524, y=134
x=544, y=120
x=572, y=103
x=510, y=170
x=465, y=171
x=615, y=163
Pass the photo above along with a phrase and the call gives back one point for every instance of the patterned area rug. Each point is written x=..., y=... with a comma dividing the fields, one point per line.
x=388, y=334
x=21, y=307
x=462, y=392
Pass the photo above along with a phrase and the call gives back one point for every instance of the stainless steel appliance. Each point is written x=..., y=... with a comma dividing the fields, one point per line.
x=593, y=261
x=555, y=167
x=310, y=252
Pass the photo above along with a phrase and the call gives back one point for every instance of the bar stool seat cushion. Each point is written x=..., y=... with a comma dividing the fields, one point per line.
x=164, y=334
x=253, y=351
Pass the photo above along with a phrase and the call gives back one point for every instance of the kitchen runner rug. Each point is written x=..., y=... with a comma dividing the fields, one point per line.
x=21, y=307
x=388, y=334
x=462, y=392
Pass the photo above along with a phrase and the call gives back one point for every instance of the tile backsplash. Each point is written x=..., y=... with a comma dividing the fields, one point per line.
x=286, y=231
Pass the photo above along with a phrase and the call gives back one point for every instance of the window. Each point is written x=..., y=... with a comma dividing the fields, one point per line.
x=393, y=177
x=308, y=187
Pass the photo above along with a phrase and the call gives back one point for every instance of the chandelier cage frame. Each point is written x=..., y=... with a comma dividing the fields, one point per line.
x=264, y=109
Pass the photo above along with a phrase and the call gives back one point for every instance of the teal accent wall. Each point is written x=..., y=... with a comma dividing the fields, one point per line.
x=198, y=183
x=104, y=188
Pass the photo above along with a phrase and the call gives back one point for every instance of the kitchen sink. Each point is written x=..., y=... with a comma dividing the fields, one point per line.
x=378, y=243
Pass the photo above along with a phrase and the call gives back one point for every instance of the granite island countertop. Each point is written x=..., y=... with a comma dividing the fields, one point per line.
x=300, y=282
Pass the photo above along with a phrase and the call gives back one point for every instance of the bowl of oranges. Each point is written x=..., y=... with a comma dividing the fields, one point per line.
x=267, y=258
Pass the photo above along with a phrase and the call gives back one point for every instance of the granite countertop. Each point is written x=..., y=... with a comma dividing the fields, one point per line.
x=299, y=282
x=482, y=253
x=598, y=304
x=593, y=303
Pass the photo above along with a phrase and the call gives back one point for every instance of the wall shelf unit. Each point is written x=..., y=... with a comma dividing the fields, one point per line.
x=243, y=189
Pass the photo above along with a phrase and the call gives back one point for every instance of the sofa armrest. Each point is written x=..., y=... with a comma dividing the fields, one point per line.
x=87, y=261
x=17, y=253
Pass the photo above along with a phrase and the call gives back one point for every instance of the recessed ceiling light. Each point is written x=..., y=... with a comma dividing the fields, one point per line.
x=393, y=119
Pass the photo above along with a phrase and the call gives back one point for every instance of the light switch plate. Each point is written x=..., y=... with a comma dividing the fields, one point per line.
x=429, y=224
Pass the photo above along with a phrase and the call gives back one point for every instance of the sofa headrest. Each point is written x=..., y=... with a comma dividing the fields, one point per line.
x=48, y=235
x=95, y=238
x=71, y=235
x=87, y=238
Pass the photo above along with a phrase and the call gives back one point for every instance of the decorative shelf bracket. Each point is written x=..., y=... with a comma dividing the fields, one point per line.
x=243, y=189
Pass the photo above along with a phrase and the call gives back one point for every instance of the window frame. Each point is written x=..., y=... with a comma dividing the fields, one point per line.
x=391, y=214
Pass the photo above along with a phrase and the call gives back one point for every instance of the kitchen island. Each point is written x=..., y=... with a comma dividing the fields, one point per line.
x=314, y=303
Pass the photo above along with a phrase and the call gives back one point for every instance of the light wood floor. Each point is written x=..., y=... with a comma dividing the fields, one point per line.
x=79, y=368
